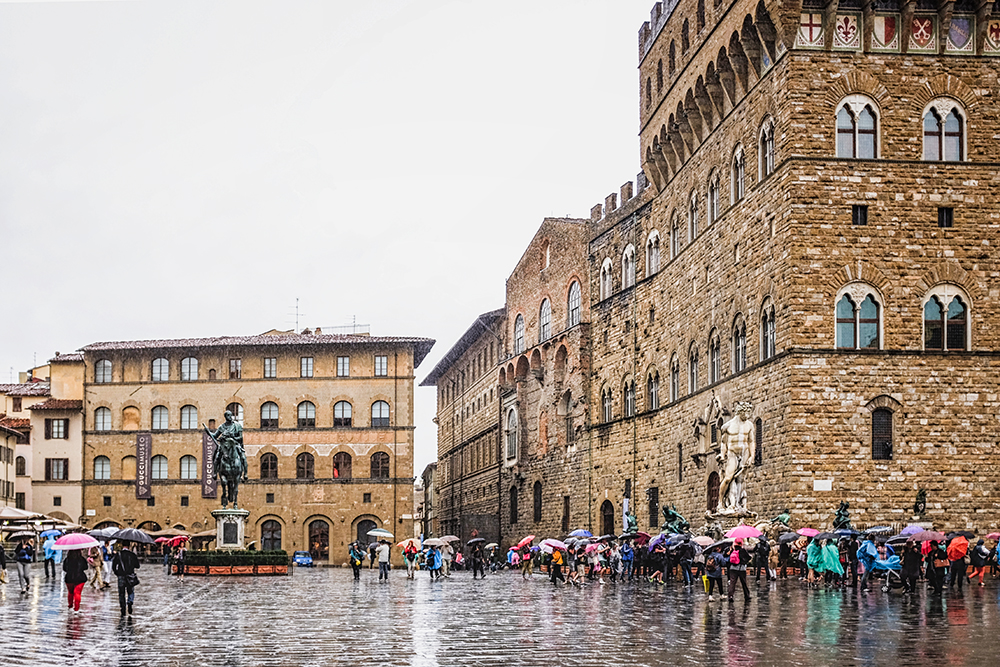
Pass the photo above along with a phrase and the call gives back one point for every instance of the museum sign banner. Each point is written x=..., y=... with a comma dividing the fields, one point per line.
x=143, y=454
x=208, y=481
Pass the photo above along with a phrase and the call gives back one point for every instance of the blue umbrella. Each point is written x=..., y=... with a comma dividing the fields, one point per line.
x=52, y=531
x=581, y=533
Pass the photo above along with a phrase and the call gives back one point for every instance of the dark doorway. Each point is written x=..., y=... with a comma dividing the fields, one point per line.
x=319, y=539
x=364, y=539
x=270, y=536
x=713, y=492
x=607, y=518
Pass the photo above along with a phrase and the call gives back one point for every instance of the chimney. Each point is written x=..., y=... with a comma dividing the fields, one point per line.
x=318, y=332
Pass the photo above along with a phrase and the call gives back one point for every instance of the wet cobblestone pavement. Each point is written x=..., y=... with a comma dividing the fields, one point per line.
x=322, y=617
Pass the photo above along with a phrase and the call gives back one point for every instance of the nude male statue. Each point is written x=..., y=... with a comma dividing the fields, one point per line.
x=737, y=445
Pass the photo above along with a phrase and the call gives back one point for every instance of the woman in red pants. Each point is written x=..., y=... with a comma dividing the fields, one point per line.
x=75, y=567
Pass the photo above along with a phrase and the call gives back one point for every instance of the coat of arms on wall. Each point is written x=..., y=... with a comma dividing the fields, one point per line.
x=960, y=35
x=847, y=32
x=885, y=33
x=810, y=31
x=923, y=33
x=992, y=44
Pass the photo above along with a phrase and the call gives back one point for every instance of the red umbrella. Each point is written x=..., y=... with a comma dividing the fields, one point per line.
x=525, y=542
x=642, y=537
x=179, y=540
x=161, y=540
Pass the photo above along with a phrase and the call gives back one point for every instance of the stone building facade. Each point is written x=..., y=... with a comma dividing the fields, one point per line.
x=817, y=241
x=328, y=431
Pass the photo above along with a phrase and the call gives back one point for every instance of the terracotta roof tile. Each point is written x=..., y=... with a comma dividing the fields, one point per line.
x=421, y=345
x=73, y=356
x=11, y=422
x=29, y=389
x=58, y=404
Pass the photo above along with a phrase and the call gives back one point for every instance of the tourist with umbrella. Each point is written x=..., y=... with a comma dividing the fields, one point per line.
x=50, y=553
x=937, y=565
x=476, y=555
x=124, y=564
x=910, y=570
x=739, y=558
x=23, y=555
x=75, y=565
x=958, y=547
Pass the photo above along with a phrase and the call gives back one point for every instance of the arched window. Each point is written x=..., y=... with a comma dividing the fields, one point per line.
x=675, y=237
x=606, y=407
x=189, y=417
x=675, y=379
x=102, y=468
x=19, y=467
x=738, y=175
x=653, y=253
x=944, y=131
x=946, y=320
x=102, y=419
x=628, y=267
x=649, y=92
x=701, y=15
x=319, y=539
x=270, y=536
x=269, y=416
x=685, y=45
x=380, y=414
x=511, y=434
x=858, y=327
x=739, y=344
x=519, y=334
x=342, y=414
x=545, y=321
x=159, y=467
x=237, y=411
x=693, y=369
x=713, y=197
x=767, y=331
x=513, y=505
x=268, y=466
x=307, y=415
x=693, y=217
x=659, y=75
x=713, y=492
x=882, y=434
x=573, y=305
x=607, y=518
x=714, y=358
x=160, y=370
x=342, y=465
x=606, y=278
x=160, y=418
x=673, y=57
x=380, y=465
x=766, y=149
x=653, y=390
x=537, y=490
x=305, y=466
x=628, y=396
x=102, y=371
x=189, y=467
x=857, y=128
x=189, y=369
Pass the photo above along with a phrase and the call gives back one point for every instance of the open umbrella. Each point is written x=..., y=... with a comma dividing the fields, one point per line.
x=877, y=530
x=21, y=533
x=659, y=539
x=51, y=531
x=743, y=531
x=826, y=536
x=75, y=541
x=491, y=545
x=580, y=532
x=788, y=537
x=132, y=535
x=446, y=538
x=846, y=532
x=897, y=539
x=552, y=544
x=605, y=538
x=912, y=529
x=641, y=537
x=433, y=542
x=179, y=540
x=808, y=532
x=162, y=540
x=967, y=534
x=719, y=544
x=591, y=548
x=993, y=536
x=103, y=534
x=410, y=540
x=927, y=536
x=525, y=541
x=702, y=540
x=628, y=536
x=382, y=532
x=476, y=540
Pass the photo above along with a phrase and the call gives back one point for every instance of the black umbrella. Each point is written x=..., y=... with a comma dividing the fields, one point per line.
x=627, y=536
x=897, y=539
x=133, y=535
x=878, y=530
x=788, y=537
x=827, y=536
x=605, y=538
x=721, y=543
x=475, y=540
x=967, y=534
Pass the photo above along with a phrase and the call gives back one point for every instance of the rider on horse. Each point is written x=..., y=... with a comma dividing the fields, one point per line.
x=230, y=460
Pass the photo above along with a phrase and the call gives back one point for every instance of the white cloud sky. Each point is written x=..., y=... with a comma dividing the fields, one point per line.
x=190, y=168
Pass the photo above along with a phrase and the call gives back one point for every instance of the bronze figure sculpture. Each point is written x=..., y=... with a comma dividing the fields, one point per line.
x=230, y=458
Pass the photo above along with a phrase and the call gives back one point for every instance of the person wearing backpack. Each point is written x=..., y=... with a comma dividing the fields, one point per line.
x=714, y=562
x=356, y=556
x=738, y=561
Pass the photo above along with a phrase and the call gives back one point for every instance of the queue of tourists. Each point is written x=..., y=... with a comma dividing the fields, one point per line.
x=842, y=558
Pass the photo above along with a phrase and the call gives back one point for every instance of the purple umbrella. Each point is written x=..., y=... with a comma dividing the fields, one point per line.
x=912, y=529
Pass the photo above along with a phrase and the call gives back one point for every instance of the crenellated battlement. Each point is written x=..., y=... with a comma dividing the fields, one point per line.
x=615, y=200
x=658, y=16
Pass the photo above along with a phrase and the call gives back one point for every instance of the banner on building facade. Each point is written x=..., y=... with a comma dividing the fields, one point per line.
x=208, y=481
x=143, y=455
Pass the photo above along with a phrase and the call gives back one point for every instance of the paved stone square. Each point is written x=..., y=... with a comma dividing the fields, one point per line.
x=322, y=617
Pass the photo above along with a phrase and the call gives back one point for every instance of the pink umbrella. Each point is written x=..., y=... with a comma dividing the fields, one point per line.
x=703, y=540
x=591, y=548
x=525, y=542
x=75, y=541
x=549, y=545
x=807, y=532
x=161, y=540
x=743, y=531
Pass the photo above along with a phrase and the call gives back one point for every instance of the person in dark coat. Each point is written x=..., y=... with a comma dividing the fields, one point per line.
x=686, y=553
x=75, y=567
x=124, y=565
x=715, y=562
x=937, y=567
x=911, y=566
x=23, y=555
x=761, y=553
x=738, y=569
x=978, y=557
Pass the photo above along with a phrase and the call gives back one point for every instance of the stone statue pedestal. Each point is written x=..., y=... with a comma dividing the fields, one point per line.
x=230, y=529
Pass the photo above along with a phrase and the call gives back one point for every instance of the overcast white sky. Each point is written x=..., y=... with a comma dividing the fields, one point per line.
x=179, y=169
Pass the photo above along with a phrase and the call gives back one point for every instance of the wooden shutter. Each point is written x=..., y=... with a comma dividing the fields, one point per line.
x=48, y=463
x=65, y=430
x=48, y=436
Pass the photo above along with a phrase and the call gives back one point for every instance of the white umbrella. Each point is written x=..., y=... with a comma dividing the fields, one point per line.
x=380, y=532
x=450, y=538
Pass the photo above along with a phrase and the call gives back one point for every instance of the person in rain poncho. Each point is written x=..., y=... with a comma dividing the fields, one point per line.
x=814, y=560
x=867, y=553
x=831, y=561
x=51, y=553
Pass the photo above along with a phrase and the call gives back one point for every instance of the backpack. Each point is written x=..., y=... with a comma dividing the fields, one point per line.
x=734, y=557
x=712, y=565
